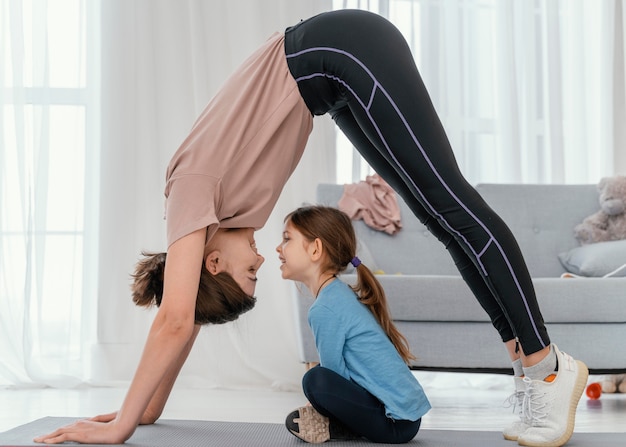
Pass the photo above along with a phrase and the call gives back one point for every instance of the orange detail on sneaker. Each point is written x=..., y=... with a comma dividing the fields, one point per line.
x=550, y=378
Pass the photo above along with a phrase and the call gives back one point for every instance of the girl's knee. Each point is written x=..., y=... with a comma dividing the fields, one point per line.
x=314, y=377
x=319, y=379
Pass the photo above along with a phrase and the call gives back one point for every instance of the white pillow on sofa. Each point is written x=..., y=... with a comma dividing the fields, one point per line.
x=596, y=260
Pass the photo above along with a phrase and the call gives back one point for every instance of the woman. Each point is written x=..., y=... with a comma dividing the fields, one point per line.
x=230, y=170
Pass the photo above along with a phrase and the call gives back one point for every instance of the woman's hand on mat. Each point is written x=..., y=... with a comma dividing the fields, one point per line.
x=104, y=417
x=87, y=432
x=146, y=419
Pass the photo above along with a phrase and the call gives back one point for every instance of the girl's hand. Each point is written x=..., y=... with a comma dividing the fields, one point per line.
x=88, y=431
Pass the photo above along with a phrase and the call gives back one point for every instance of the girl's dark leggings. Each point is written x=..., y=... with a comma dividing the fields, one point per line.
x=345, y=402
x=357, y=66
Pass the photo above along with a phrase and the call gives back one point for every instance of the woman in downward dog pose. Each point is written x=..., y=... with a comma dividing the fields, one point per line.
x=363, y=386
x=225, y=178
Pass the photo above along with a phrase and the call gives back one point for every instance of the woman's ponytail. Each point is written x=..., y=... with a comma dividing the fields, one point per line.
x=147, y=288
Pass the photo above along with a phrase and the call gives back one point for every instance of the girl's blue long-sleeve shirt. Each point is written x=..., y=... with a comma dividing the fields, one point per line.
x=352, y=343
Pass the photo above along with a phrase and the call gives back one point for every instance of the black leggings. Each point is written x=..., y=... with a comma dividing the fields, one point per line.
x=357, y=66
x=353, y=406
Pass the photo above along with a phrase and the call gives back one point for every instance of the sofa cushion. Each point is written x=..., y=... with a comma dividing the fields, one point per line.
x=448, y=299
x=600, y=259
x=542, y=219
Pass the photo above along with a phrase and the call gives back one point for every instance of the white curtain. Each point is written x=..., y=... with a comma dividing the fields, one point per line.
x=528, y=91
x=161, y=63
x=76, y=209
x=44, y=320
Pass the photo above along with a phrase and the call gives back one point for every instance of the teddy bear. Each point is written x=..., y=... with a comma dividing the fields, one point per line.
x=609, y=223
x=614, y=383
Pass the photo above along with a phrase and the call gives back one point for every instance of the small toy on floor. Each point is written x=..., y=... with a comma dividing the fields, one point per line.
x=594, y=391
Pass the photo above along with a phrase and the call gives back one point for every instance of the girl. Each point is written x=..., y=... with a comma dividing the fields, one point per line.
x=363, y=386
x=230, y=170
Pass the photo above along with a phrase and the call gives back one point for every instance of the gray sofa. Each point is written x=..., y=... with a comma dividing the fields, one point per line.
x=446, y=327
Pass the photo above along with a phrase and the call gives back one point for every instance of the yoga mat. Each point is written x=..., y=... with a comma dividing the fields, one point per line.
x=179, y=433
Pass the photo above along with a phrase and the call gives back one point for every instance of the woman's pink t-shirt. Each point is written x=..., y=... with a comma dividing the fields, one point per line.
x=232, y=167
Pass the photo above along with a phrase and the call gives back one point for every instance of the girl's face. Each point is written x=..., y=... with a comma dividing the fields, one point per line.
x=234, y=251
x=294, y=254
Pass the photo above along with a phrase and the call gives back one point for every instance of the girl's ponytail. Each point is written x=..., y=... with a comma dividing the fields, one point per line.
x=372, y=294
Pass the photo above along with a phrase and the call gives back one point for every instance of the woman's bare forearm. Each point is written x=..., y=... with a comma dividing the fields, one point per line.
x=161, y=354
x=159, y=399
x=170, y=338
x=171, y=335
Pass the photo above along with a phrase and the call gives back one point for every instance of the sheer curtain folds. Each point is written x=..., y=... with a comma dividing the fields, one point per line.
x=162, y=61
x=44, y=166
x=82, y=180
x=528, y=91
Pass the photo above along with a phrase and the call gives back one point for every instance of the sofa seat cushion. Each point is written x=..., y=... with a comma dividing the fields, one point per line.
x=447, y=298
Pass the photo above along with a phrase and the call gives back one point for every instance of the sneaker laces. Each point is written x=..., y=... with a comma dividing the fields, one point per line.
x=516, y=400
x=536, y=406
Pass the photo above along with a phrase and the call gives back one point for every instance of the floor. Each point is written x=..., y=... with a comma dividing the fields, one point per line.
x=460, y=401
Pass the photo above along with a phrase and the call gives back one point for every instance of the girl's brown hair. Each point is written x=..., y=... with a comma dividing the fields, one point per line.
x=334, y=228
x=219, y=300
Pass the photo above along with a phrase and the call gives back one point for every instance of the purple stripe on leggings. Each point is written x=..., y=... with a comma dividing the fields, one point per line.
x=366, y=107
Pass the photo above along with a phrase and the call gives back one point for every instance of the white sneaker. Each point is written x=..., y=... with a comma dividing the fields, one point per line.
x=516, y=400
x=550, y=407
